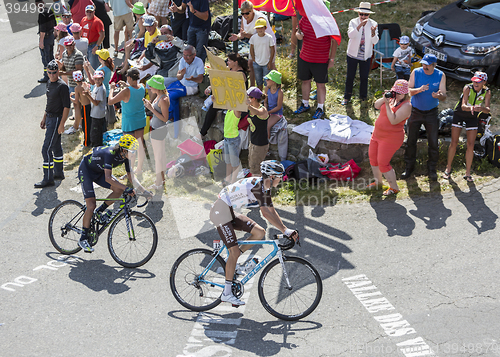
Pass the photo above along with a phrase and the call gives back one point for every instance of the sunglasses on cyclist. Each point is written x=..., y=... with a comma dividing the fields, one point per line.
x=51, y=72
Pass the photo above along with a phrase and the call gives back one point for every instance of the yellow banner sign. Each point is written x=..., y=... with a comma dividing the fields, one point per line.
x=228, y=89
x=216, y=62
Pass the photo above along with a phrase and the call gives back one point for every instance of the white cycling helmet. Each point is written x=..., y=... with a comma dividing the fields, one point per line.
x=272, y=168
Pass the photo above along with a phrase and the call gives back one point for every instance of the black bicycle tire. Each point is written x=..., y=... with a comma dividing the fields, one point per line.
x=175, y=271
x=55, y=211
x=310, y=308
x=112, y=250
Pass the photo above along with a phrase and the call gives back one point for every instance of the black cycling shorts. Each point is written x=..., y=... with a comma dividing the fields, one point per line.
x=87, y=178
x=226, y=221
x=471, y=121
x=308, y=70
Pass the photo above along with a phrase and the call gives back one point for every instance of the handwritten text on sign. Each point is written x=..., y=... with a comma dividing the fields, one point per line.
x=228, y=89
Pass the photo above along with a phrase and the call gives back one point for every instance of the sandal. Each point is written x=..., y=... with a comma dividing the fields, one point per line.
x=390, y=191
x=446, y=175
x=468, y=178
x=157, y=187
x=372, y=186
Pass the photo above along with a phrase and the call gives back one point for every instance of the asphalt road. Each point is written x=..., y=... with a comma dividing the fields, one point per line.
x=416, y=277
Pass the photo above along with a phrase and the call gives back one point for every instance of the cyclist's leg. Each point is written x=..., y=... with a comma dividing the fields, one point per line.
x=221, y=215
x=246, y=224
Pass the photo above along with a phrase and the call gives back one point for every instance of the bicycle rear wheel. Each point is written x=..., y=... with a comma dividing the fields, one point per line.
x=294, y=302
x=192, y=290
x=134, y=244
x=65, y=226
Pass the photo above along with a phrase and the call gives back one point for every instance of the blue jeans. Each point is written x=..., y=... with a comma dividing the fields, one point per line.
x=175, y=91
x=260, y=73
x=232, y=151
x=93, y=58
x=364, y=70
x=47, y=53
x=198, y=38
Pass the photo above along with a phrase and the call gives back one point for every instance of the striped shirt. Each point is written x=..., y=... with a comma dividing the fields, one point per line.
x=70, y=63
x=314, y=49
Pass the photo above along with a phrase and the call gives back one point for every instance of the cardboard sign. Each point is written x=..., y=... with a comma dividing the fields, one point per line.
x=216, y=62
x=228, y=89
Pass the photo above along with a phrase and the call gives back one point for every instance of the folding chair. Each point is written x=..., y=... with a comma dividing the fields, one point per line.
x=388, y=42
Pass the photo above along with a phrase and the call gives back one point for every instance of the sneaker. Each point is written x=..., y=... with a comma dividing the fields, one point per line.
x=43, y=79
x=344, y=101
x=70, y=131
x=254, y=204
x=84, y=244
x=302, y=109
x=231, y=299
x=319, y=114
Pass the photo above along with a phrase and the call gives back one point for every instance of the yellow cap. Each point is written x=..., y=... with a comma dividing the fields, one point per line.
x=260, y=23
x=104, y=54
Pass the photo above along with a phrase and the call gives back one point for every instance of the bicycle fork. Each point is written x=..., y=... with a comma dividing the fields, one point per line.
x=285, y=274
x=130, y=227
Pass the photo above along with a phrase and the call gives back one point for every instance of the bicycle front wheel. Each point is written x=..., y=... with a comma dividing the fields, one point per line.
x=192, y=279
x=290, y=301
x=132, y=239
x=65, y=226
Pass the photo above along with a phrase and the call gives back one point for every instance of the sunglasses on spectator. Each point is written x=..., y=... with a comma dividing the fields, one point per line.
x=245, y=13
x=89, y=11
x=360, y=14
x=51, y=72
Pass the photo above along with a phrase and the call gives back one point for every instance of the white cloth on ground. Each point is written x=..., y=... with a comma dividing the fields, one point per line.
x=338, y=128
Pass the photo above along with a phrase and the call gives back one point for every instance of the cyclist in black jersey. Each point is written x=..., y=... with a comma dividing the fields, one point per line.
x=97, y=167
x=238, y=195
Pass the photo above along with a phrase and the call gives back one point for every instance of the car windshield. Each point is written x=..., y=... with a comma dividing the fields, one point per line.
x=484, y=7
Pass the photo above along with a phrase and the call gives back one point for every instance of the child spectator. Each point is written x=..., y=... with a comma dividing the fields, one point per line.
x=262, y=52
x=274, y=99
x=82, y=106
x=257, y=117
x=231, y=146
x=402, y=58
x=98, y=108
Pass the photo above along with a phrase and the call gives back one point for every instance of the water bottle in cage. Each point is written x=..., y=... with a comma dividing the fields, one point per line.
x=252, y=263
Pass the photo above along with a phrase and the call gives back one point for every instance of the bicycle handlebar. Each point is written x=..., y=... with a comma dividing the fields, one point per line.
x=289, y=242
x=145, y=194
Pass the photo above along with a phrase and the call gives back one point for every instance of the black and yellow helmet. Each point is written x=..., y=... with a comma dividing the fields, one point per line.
x=128, y=142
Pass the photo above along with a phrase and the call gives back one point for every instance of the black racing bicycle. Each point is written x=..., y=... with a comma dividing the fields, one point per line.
x=290, y=288
x=132, y=235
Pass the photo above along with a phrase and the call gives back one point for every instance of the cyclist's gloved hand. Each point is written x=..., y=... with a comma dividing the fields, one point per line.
x=292, y=234
x=129, y=191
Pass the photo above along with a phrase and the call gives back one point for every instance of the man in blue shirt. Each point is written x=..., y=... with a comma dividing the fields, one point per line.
x=427, y=87
x=190, y=74
x=199, y=23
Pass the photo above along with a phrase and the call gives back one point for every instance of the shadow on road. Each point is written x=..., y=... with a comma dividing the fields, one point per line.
x=37, y=91
x=481, y=216
x=394, y=216
x=46, y=199
x=430, y=206
x=247, y=335
x=98, y=276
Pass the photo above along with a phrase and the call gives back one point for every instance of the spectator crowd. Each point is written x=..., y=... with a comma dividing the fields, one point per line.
x=163, y=59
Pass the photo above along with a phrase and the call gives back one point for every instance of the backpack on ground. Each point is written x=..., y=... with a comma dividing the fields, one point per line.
x=493, y=149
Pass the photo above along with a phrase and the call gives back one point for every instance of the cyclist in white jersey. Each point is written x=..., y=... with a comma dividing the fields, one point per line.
x=238, y=195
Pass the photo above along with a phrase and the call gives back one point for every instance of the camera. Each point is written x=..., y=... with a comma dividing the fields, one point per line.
x=390, y=94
